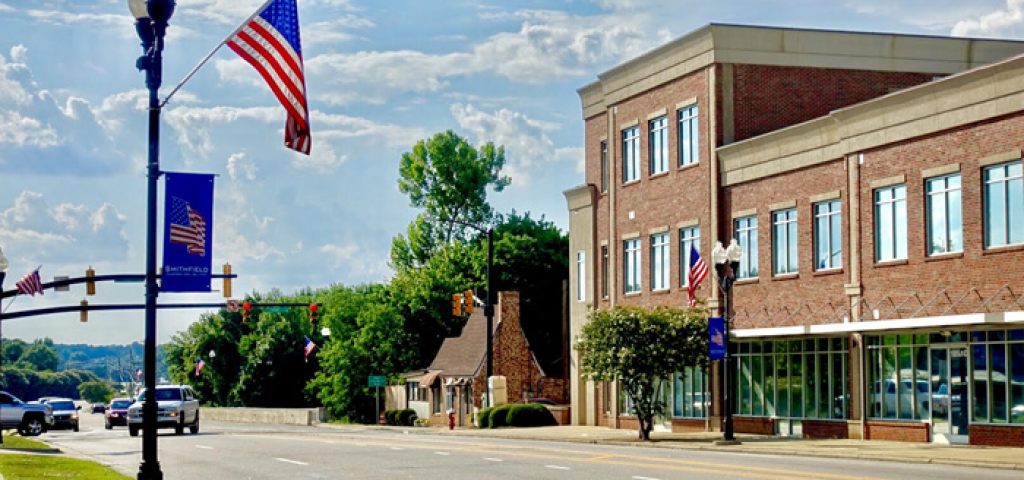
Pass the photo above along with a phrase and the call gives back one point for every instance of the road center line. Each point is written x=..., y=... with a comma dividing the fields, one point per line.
x=293, y=462
x=638, y=477
x=492, y=459
x=442, y=453
x=556, y=467
x=204, y=447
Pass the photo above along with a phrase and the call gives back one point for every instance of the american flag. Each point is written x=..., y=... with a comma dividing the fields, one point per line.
x=270, y=43
x=698, y=272
x=30, y=284
x=310, y=346
x=188, y=227
x=138, y=374
x=199, y=366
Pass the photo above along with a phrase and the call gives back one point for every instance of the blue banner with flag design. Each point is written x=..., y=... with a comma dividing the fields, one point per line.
x=188, y=232
x=716, y=338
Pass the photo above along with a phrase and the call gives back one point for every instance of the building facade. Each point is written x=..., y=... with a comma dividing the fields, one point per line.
x=874, y=184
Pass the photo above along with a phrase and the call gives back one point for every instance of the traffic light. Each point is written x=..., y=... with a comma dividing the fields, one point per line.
x=83, y=314
x=468, y=294
x=227, y=280
x=312, y=313
x=246, y=310
x=457, y=305
x=90, y=285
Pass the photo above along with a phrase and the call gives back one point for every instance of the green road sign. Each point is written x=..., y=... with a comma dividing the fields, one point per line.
x=378, y=381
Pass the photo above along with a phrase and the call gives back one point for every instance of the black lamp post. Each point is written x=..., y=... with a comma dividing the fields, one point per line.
x=727, y=263
x=151, y=18
x=3, y=274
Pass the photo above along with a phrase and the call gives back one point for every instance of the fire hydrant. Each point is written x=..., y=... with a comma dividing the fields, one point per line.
x=451, y=419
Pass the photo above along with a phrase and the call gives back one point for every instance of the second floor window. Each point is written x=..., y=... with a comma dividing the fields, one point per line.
x=659, y=261
x=631, y=154
x=604, y=271
x=604, y=166
x=581, y=276
x=688, y=237
x=784, y=242
x=631, y=265
x=828, y=247
x=945, y=222
x=658, y=145
x=688, y=144
x=891, y=223
x=1004, y=205
x=746, y=236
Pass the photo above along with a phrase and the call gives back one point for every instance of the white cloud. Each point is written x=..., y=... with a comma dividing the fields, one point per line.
x=241, y=168
x=323, y=159
x=339, y=254
x=334, y=31
x=1001, y=22
x=335, y=126
x=6, y=8
x=21, y=131
x=18, y=53
x=195, y=125
x=13, y=77
x=528, y=147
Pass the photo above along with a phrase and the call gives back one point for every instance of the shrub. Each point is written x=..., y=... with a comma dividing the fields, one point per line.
x=391, y=417
x=483, y=417
x=406, y=417
x=530, y=415
x=499, y=416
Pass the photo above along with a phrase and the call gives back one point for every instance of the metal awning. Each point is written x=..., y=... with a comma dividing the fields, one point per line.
x=428, y=379
x=1006, y=319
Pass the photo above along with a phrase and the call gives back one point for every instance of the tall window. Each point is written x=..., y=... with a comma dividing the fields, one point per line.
x=604, y=271
x=690, y=393
x=945, y=223
x=604, y=166
x=631, y=265
x=659, y=261
x=1004, y=205
x=792, y=378
x=784, y=242
x=688, y=237
x=581, y=276
x=688, y=135
x=828, y=245
x=658, y=145
x=631, y=154
x=891, y=223
x=746, y=235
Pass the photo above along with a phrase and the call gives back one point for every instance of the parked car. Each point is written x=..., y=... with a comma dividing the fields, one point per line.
x=98, y=407
x=30, y=419
x=65, y=413
x=177, y=407
x=117, y=413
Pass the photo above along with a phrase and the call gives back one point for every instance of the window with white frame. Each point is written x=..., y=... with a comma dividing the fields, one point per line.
x=631, y=154
x=828, y=245
x=581, y=276
x=945, y=221
x=688, y=143
x=659, y=261
x=1004, y=205
x=604, y=271
x=658, y=144
x=631, y=265
x=604, y=166
x=891, y=223
x=415, y=393
x=745, y=229
x=784, y=242
x=689, y=237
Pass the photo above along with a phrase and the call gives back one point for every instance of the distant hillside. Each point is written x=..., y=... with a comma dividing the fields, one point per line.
x=109, y=362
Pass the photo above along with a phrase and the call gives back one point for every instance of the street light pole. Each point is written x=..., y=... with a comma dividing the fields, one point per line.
x=727, y=262
x=489, y=308
x=3, y=275
x=151, y=25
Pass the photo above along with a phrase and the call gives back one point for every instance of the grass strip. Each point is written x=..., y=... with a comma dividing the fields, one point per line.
x=50, y=467
x=17, y=441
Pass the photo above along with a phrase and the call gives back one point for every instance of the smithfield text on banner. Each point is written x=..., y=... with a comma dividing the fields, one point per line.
x=188, y=233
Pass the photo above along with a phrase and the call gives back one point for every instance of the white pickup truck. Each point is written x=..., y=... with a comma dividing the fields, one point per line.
x=177, y=408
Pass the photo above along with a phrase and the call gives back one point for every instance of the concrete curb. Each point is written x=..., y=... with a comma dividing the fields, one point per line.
x=41, y=451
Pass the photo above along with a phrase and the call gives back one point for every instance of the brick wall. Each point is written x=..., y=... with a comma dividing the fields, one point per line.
x=768, y=98
x=825, y=429
x=755, y=425
x=897, y=431
x=997, y=435
x=685, y=425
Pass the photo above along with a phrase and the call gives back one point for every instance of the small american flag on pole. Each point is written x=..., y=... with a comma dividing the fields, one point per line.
x=270, y=42
x=188, y=227
x=199, y=366
x=698, y=272
x=310, y=346
x=30, y=284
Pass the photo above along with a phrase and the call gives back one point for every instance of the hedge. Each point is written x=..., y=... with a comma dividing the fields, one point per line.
x=483, y=417
x=499, y=416
x=400, y=417
x=530, y=415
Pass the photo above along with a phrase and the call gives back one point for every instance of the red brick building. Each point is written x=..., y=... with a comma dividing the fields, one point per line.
x=874, y=184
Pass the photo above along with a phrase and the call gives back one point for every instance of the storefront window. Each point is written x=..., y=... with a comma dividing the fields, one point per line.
x=792, y=379
x=689, y=395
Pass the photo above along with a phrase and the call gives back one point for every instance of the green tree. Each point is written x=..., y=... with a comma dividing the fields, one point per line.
x=641, y=349
x=95, y=392
x=41, y=356
x=14, y=348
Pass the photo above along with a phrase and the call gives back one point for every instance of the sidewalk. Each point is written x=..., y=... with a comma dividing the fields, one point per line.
x=961, y=455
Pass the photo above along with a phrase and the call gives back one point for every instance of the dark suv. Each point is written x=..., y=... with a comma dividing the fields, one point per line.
x=65, y=413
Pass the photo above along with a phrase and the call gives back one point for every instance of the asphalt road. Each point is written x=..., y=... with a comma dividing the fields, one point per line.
x=245, y=451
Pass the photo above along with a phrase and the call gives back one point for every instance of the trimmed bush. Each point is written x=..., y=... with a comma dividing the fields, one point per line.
x=406, y=417
x=530, y=415
x=499, y=416
x=483, y=417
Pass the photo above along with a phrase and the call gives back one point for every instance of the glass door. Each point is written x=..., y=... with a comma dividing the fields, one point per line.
x=949, y=383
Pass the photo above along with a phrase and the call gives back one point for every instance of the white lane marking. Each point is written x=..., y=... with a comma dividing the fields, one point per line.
x=397, y=448
x=204, y=447
x=442, y=453
x=556, y=467
x=492, y=459
x=638, y=477
x=293, y=462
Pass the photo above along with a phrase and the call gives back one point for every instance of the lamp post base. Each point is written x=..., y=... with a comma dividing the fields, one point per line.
x=150, y=471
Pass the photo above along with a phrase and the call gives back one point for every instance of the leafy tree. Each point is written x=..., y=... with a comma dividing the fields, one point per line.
x=14, y=348
x=95, y=392
x=641, y=348
x=41, y=356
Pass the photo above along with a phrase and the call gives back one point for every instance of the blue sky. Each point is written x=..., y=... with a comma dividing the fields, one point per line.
x=380, y=75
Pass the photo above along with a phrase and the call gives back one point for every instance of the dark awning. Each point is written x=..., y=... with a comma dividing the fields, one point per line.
x=428, y=380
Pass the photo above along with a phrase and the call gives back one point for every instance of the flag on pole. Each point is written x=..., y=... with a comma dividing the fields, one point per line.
x=138, y=375
x=310, y=346
x=30, y=284
x=698, y=272
x=270, y=42
x=199, y=366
